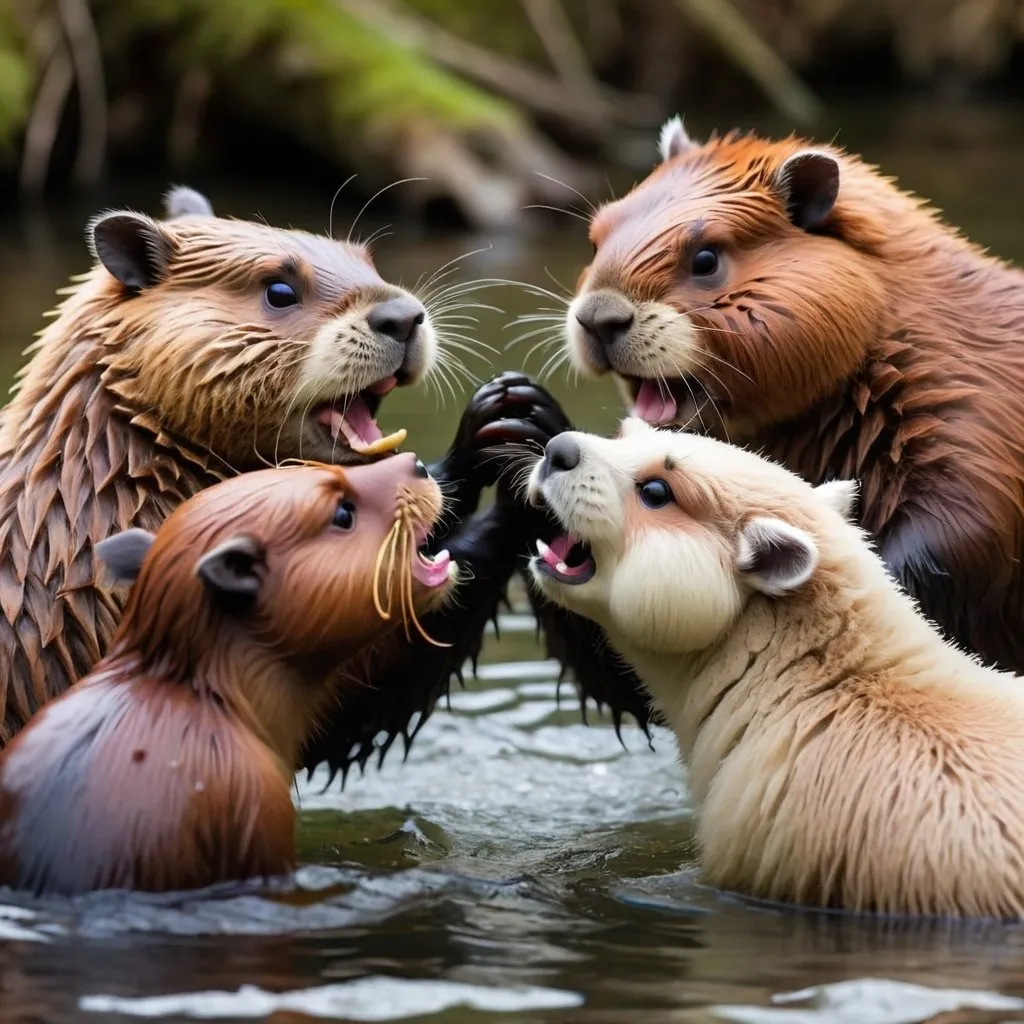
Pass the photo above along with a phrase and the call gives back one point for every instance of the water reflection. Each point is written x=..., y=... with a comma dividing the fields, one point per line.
x=516, y=849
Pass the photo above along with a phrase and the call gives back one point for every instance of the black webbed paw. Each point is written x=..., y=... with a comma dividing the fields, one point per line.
x=506, y=419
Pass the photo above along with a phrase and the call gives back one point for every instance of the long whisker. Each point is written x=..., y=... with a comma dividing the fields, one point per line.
x=565, y=184
x=385, y=615
x=330, y=215
x=378, y=193
x=410, y=605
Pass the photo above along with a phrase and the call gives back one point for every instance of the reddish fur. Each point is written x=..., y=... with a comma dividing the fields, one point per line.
x=169, y=765
x=882, y=346
x=131, y=403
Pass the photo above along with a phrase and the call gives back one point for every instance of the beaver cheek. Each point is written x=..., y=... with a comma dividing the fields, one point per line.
x=673, y=594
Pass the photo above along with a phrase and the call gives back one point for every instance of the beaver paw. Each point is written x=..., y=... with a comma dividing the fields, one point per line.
x=505, y=425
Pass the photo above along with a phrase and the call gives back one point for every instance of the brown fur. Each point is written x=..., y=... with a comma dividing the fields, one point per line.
x=859, y=338
x=139, y=395
x=169, y=765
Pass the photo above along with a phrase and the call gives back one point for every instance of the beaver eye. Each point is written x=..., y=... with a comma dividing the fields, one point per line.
x=281, y=295
x=344, y=515
x=655, y=493
x=705, y=262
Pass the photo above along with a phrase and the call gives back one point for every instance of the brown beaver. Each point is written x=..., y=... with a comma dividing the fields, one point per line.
x=169, y=765
x=789, y=297
x=199, y=347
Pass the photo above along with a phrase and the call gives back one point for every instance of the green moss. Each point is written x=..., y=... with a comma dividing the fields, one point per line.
x=16, y=80
x=351, y=78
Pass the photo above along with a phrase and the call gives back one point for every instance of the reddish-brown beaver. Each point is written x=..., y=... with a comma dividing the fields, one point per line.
x=169, y=765
x=789, y=297
x=198, y=347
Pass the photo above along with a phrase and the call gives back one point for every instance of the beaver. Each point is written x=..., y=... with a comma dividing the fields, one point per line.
x=840, y=751
x=199, y=347
x=789, y=297
x=169, y=765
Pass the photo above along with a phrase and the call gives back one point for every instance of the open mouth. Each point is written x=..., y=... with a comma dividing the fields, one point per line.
x=351, y=418
x=430, y=570
x=673, y=400
x=567, y=559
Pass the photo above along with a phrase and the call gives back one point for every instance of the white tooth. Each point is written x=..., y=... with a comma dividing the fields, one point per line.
x=441, y=555
x=542, y=549
x=562, y=568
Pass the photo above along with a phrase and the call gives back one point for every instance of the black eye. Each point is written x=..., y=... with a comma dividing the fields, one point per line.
x=705, y=262
x=655, y=493
x=344, y=515
x=280, y=295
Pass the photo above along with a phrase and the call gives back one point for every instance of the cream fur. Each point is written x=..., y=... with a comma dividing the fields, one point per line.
x=840, y=753
x=673, y=139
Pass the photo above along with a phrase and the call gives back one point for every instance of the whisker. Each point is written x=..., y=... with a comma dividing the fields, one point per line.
x=385, y=615
x=376, y=194
x=566, y=185
x=568, y=211
x=330, y=214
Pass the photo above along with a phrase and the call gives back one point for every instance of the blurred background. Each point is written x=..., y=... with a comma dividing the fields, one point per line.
x=516, y=845
x=509, y=116
x=476, y=95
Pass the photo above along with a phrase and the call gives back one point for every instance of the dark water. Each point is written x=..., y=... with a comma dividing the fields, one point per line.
x=520, y=866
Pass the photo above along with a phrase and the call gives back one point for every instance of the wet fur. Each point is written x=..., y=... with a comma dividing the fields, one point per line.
x=134, y=400
x=169, y=765
x=840, y=753
x=876, y=344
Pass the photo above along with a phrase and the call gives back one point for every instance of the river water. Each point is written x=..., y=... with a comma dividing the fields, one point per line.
x=520, y=865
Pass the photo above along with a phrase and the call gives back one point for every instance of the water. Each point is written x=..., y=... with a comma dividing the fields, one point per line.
x=520, y=866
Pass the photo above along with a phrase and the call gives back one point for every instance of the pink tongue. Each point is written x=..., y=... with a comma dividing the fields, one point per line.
x=434, y=574
x=560, y=548
x=654, y=404
x=360, y=422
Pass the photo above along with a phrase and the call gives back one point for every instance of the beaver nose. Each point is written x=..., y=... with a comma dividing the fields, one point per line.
x=561, y=454
x=397, y=318
x=420, y=470
x=608, y=316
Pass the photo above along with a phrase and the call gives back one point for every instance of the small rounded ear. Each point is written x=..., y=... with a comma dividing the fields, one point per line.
x=124, y=553
x=633, y=426
x=233, y=568
x=840, y=495
x=808, y=184
x=182, y=201
x=673, y=140
x=775, y=557
x=133, y=248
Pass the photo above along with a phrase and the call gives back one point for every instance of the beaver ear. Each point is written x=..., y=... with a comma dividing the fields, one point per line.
x=673, y=139
x=774, y=556
x=840, y=495
x=808, y=183
x=233, y=567
x=182, y=201
x=124, y=553
x=133, y=247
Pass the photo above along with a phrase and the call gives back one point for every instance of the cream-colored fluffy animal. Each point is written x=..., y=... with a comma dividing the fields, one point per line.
x=839, y=752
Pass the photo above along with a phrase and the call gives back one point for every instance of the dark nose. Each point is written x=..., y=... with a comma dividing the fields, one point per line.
x=561, y=454
x=608, y=316
x=397, y=318
x=420, y=470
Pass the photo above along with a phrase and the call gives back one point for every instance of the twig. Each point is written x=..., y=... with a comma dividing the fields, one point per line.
x=92, y=94
x=535, y=90
x=737, y=37
x=44, y=122
x=557, y=37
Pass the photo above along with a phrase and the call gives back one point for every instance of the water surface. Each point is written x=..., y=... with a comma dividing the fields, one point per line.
x=520, y=865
